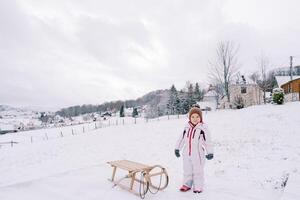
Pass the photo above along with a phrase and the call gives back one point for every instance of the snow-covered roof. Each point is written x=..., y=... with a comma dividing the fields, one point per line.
x=211, y=93
x=244, y=85
x=284, y=79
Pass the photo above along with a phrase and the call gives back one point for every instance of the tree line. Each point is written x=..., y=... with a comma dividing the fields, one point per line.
x=178, y=102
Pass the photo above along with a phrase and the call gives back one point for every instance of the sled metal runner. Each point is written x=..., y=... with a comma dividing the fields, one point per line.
x=141, y=174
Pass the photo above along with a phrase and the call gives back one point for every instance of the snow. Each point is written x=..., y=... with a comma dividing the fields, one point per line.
x=255, y=149
x=284, y=79
x=209, y=104
x=11, y=118
x=292, y=189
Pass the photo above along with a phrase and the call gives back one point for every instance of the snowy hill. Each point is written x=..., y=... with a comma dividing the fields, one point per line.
x=154, y=98
x=5, y=107
x=11, y=118
x=255, y=150
x=151, y=100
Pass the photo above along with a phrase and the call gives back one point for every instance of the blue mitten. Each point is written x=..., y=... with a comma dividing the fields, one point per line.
x=209, y=156
x=177, y=154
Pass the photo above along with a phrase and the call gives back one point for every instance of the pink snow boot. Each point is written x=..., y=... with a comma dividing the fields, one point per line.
x=184, y=188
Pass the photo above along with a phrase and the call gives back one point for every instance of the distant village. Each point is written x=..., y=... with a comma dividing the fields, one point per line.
x=244, y=91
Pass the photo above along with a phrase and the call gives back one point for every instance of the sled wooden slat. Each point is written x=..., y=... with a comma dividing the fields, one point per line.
x=129, y=165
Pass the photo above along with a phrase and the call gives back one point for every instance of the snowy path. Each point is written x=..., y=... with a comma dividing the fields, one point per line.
x=254, y=149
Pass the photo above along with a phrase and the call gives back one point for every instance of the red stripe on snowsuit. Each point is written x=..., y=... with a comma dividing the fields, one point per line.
x=190, y=139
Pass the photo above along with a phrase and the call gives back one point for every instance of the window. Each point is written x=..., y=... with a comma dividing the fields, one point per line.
x=243, y=90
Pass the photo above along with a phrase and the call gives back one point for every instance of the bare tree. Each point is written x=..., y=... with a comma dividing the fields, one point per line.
x=263, y=83
x=260, y=77
x=224, y=67
x=254, y=77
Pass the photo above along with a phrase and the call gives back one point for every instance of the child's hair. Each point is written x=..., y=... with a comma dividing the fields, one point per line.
x=194, y=110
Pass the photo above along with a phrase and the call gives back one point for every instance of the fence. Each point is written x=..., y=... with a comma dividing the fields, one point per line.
x=11, y=143
x=73, y=130
x=291, y=97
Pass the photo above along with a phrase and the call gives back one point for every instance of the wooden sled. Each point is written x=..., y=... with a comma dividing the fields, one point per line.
x=136, y=170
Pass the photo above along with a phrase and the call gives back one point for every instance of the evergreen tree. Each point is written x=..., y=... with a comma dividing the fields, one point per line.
x=174, y=102
x=135, y=112
x=191, y=98
x=122, y=111
x=197, y=93
x=185, y=106
x=159, y=112
x=178, y=106
x=44, y=117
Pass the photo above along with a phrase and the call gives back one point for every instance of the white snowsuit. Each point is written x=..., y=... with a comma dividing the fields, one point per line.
x=193, y=142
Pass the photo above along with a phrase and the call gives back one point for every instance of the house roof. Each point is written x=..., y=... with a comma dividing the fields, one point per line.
x=281, y=80
x=211, y=93
x=247, y=84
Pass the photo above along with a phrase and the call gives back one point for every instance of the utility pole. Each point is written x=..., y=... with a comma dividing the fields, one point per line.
x=291, y=75
x=291, y=67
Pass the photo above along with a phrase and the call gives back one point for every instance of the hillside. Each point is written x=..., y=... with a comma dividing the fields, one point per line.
x=255, y=150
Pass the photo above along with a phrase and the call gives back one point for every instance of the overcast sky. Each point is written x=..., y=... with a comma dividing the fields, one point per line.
x=56, y=53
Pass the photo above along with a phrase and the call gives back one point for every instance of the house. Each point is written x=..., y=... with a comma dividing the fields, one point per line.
x=30, y=125
x=291, y=87
x=243, y=94
x=106, y=114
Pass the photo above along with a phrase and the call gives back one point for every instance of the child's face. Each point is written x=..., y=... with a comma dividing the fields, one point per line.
x=195, y=118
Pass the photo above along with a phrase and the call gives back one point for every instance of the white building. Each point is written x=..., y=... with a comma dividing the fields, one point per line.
x=245, y=95
x=210, y=100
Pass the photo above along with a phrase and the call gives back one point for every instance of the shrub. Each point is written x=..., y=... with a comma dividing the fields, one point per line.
x=278, y=96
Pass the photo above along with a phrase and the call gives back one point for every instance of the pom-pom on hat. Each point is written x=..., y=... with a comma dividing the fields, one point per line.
x=194, y=110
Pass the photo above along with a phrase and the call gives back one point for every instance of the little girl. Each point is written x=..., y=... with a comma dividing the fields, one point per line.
x=195, y=141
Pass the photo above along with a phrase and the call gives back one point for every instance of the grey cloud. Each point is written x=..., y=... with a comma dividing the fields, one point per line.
x=74, y=52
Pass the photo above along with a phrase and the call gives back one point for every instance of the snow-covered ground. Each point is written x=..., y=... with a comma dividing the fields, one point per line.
x=255, y=150
x=38, y=135
x=12, y=118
